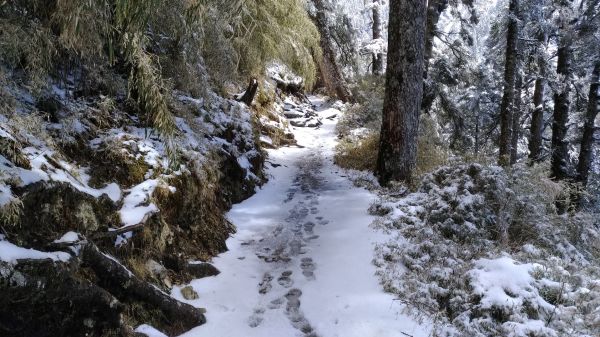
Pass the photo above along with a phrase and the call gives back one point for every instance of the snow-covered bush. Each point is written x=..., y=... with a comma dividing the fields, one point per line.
x=487, y=255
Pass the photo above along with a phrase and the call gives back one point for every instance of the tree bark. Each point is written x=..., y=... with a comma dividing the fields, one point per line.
x=516, y=121
x=328, y=67
x=508, y=97
x=404, y=89
x=250, y=93
x=537, y=117
x=377, y=57
x=560, y=150
x=435, y=8
x=587, y=140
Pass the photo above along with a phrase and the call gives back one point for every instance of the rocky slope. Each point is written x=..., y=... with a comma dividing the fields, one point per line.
x=99, y=220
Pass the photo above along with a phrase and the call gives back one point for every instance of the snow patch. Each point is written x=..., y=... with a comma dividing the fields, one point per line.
x=134, y=211
x=11, y=253
x=149, y=331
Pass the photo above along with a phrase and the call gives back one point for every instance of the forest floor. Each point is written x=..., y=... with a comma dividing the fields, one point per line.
x=300, y=263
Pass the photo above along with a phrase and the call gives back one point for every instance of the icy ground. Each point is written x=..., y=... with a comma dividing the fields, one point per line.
x=301, y=261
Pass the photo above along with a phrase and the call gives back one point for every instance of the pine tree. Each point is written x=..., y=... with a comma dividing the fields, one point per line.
x=377, y=57
x=587, y=140
x=560, y=149
x=508, y=97
x=537, y=115
x=404, y=90
x=330, y=71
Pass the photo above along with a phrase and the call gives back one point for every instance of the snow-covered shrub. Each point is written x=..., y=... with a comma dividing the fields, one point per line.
x=485, y=253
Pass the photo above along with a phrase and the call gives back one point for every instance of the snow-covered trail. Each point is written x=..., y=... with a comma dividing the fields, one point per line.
x=300, y=263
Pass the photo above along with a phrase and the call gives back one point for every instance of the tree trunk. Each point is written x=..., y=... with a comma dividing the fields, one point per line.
x=537, y=119
x=516, y=121
x=508, y=96
x=120, y=282
x=329, y=69
x=435, y=8
x=560, y=150
x=250, y=93
x=587, y=140
x=404, y=90
x=378, y=57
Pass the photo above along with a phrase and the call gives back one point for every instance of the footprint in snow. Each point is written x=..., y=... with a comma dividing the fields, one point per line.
x=308, y=268
x=265, y=285
x=309, y=226
x=295, y=315
x=256, y=318
x=285, y=280
x=276, y=303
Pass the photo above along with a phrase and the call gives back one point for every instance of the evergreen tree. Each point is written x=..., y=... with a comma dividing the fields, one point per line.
x=404, y=89
x=510, y=73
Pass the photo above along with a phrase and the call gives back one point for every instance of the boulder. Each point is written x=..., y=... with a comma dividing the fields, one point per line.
x=201, y=270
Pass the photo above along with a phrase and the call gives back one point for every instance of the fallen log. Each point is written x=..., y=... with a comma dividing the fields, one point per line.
x=122, y=283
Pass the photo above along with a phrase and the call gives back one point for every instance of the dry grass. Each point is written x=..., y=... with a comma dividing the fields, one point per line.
x=431, y=153
x=125, y=168
x=10, y=213
x=358, y=155
x=137, y=264
x=11, y=150
x=30, y=47
x=361, y=154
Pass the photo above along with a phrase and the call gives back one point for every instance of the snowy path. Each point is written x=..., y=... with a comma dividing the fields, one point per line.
x=300, y=263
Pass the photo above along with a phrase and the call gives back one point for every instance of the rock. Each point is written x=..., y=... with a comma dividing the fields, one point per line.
x=313, y=123
x=52, y=208
x=189, y=293
x=299, y=123
x=156, y=269
x=289, y=106
x=44, y=298
x=201, y=270
x=311, y=113
x=293, y=114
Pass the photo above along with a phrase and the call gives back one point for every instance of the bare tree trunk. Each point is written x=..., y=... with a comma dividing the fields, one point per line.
x=508, y=96
x=537, y=117
x=587, y=140
x=250, y=93
x=329, y=69
x=560, y=151
x=516, y=121
x=378, y=57
x=435, y=8
x=404, y=90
